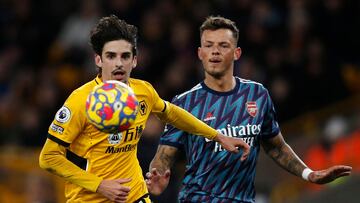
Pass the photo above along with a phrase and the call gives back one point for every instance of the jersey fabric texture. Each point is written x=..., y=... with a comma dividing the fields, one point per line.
x=109, y=156
x=213, y=174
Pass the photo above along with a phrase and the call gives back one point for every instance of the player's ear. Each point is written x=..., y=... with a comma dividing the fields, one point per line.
x=134, y=62
x=237, y=53
x=200, y=53
x=98, y=60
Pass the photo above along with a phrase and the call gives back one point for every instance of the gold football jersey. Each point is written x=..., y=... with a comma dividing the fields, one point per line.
x=109, y=156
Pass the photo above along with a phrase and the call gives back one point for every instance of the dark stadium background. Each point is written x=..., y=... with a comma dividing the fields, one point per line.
x=306, y=52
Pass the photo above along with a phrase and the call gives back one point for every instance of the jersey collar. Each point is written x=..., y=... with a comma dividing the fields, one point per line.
x=98, y=80
x=235, y=89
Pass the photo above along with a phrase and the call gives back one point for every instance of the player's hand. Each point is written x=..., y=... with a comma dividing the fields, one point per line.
x=330, y=174
x=156, y=182
x=231, y=144
x=114, y=190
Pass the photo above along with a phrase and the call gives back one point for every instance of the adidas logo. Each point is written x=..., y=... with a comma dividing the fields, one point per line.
x=209, y=116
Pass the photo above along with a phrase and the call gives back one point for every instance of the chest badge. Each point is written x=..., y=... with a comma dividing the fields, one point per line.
x=251, y=108
x=114, y=138
x=142, y=107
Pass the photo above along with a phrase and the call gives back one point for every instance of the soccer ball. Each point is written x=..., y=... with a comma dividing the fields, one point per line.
x=112, y=106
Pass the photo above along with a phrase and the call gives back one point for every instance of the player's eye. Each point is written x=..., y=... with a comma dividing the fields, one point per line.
x=111, y=56
x=224, y=45
x=126, y=55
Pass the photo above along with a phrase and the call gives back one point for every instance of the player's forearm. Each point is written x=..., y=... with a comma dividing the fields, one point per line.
x=163, y=159
x=185, y=121
x=52, y=158
x=287, y=159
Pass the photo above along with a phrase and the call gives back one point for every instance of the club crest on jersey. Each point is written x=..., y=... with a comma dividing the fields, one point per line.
x=114, y=138
x=251, y=108
x=63, y=115
x=142, y=107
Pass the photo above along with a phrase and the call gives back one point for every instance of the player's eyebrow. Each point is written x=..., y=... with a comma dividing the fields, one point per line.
x=113, y=52
x=210, y=42
x=110, y=53
x=221, y=42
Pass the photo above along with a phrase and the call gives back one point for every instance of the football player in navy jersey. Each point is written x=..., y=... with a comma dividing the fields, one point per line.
x=237, y=108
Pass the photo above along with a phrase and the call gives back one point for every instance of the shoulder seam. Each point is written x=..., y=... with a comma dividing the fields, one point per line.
x=250, y=81
x=198, y=86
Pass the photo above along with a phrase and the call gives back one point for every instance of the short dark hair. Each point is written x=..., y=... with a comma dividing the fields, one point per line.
x=111, y=28
x=218, y=22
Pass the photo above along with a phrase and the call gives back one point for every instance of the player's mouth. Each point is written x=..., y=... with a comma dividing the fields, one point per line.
x=215, y=60
x=118, y=74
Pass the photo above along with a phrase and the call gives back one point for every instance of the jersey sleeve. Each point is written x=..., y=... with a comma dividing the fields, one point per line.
x=171, y=135
x=52, y=158
x=69, y=121
x=270, y=127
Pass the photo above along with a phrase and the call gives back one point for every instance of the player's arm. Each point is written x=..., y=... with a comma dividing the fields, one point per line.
x=52, y=158
x=63, y=130
x=283, y=155
x=185, y=121
x=159, y=170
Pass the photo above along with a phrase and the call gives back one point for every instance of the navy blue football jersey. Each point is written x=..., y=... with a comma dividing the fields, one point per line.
x=212, y=173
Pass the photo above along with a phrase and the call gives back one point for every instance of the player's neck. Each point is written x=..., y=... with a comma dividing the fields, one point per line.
x=223, y=84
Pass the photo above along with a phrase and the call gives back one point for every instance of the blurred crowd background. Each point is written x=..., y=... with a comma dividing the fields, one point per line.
x=304, y=51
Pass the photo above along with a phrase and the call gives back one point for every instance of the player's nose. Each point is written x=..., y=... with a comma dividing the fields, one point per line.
x=119, y=63
x=215, y=50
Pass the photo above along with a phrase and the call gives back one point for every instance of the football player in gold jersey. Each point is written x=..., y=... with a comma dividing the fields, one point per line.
x=103, y=167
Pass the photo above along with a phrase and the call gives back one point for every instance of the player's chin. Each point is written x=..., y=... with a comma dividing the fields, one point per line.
x=215, y=73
